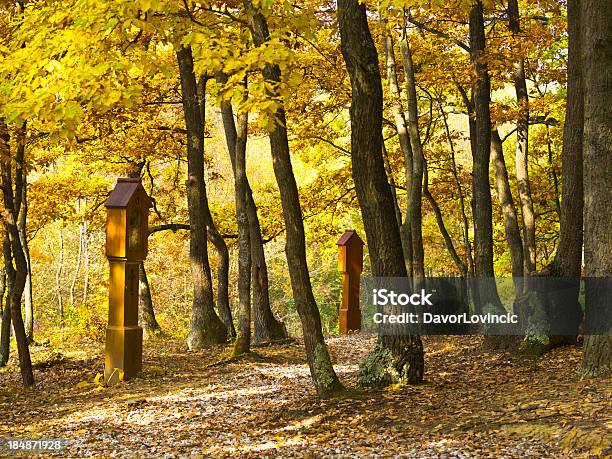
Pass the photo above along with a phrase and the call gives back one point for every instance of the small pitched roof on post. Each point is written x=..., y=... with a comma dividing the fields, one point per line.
x=123, y=192
x=349, y=236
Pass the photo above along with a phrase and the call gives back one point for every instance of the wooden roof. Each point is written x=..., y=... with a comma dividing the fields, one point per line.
x=349, y=235
x=123, y=192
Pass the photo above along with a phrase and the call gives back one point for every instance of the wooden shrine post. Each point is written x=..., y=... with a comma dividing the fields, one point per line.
x=127, y=231
x=350, y=264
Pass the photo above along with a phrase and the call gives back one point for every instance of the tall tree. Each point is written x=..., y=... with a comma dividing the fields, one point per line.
x=372, y=188
x=568, y=259
x=243, y=337
x=12, y=202
x=85, y=263
x=415, y=192
x=522, y=144
x=223, y=306
x=564, y=311
x=206, y=327
x=481, y=153
x=404, y=141
x=323, y=374
x=266, y=327
x=77, y=267
x=21, y=182
x=58, y=275
x=504, y=194
x=596, y=44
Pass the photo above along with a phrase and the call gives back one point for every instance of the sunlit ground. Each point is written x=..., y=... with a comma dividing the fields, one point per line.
x=473, y=404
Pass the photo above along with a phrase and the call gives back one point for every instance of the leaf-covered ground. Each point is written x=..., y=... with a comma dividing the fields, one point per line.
x=473, y=404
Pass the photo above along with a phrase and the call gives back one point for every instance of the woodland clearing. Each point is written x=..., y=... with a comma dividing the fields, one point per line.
x=185, y=404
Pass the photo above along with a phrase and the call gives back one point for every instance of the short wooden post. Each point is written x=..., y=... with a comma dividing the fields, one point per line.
x=350, y=264
x=127, y=231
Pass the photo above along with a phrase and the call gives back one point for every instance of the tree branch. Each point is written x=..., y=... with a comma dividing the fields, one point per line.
x=174, y=227
x=171, y=129
x=323, y=139
x=437, y=32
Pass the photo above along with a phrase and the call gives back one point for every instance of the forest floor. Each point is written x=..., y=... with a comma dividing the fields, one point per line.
x=472, y=404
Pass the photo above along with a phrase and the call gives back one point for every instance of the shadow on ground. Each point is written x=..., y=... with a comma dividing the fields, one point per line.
x=473, y=404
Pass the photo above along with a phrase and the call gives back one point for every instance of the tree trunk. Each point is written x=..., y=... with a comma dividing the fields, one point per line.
x=464, y=219
x=522, y=146
x=597, y=68
x=321, y=369
x=5, y=336
x=471, y=110
x=243, y=338
x=448, y=242
x=28, y=300
x=11, y=215
x=563, y=309
x=569, y=253
x=406, y=238
x=396, y=104
x=392, y=187
x=266, y=328
x=146, y=313
x=568, y=259
x=58, y=276
x=403, y=354
x=481, y=150
x=513, y=233
x=597, y=357
x=77, y=268
x=404, y=141
x=418, y=161
x=6, y=286
x=223, y=306
x=553, y=173
x=85, y=263
x=22, y=201
x=206, y=327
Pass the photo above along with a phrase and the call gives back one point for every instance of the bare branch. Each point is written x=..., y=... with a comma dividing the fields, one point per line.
x=338, y=147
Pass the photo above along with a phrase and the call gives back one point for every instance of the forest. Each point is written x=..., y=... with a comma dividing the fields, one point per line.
x=463, y=142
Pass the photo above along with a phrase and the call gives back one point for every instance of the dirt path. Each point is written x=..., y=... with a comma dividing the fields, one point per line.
x=473, y=404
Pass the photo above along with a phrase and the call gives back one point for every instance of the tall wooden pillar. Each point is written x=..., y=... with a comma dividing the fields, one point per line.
x=350, y=264
x=127, y=232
